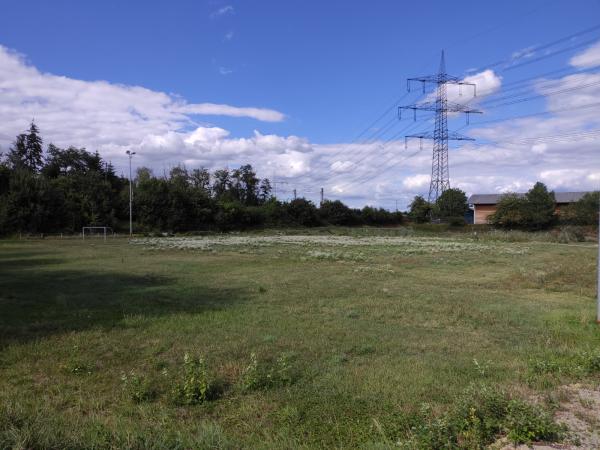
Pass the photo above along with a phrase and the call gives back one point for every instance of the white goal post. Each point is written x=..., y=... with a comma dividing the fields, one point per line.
x=102, y=231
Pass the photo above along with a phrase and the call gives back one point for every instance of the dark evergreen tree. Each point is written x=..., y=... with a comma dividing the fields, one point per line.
x=17, y=154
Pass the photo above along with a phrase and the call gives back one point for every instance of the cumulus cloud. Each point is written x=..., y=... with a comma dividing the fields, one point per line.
x=417, y=182
x=161, y=129
x=486, y=82
x=587, y=58
x=96, y=113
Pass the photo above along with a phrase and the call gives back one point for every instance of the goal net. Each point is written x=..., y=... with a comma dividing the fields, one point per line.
x=96, y=232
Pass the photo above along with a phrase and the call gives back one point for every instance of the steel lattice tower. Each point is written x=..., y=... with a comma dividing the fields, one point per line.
x=440, y=173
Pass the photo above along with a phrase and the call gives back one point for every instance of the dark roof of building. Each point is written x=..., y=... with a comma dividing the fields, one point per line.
x=492, y=199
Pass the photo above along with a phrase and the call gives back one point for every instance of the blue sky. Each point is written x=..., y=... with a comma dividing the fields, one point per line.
x=328, y=69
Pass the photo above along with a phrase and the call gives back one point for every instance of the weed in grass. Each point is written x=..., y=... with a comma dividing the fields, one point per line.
x=542, y=372
x=79, y=367
x=194, y=387
x=483, y=367
x=478, y=418
x=361, y=350
x=137, y=387
x=261, y=375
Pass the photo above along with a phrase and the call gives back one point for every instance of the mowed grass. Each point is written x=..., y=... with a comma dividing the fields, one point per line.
x=371, y=332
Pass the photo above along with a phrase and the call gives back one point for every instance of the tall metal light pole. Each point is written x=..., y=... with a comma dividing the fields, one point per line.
x=130, y=154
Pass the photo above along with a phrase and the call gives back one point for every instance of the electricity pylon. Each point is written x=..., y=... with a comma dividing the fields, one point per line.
x=440, y=175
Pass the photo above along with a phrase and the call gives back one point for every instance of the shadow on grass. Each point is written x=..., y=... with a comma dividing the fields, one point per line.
x=38, y=298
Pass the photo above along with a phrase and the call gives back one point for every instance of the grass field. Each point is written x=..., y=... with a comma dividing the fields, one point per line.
x=351, y=335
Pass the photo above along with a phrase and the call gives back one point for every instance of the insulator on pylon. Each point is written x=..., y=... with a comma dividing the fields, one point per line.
x=405, y=143
x=420, y=143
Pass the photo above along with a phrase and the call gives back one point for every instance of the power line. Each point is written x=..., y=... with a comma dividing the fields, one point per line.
x=546, y=94
x=542, y=47
x=382, y=146
x=594, y=134
x=551, y=111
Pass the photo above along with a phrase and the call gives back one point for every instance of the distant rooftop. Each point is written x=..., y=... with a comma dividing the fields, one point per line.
x=492, y=199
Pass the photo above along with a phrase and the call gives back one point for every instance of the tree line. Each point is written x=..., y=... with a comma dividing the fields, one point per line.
x=64, y=189
x=536, y=210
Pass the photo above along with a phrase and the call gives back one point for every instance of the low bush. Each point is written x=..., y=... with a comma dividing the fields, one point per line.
x=527, y=423
x=570, y=233
x=546, y=370
x=262, y=375
x=478, y=418
x=194, y=386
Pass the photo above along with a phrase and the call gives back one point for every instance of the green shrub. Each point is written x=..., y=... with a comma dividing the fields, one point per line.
x=261, y=375
x=456, y=221
x=194, y=387
x=575, y=365
x=570, y=233
x=527, y=423
x=479, y=417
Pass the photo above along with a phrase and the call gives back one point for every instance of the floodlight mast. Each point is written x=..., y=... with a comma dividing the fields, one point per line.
x=130, y=154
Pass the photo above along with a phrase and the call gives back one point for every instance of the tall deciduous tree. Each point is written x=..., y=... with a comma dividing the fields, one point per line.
x=582, y=212
x=534, y=211
x=420, y=210
x=541, y=206
x=451, y=205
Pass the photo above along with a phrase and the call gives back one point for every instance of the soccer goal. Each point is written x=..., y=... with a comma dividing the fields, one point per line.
x=96, y=232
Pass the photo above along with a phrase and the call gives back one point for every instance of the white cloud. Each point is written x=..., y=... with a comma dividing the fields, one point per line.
x=160, y=128
x=588, y=58
x=228, y=36
x=342, y=166
x=417, y=182
x=227, y=9
x=96, y=113
x=486, y=82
